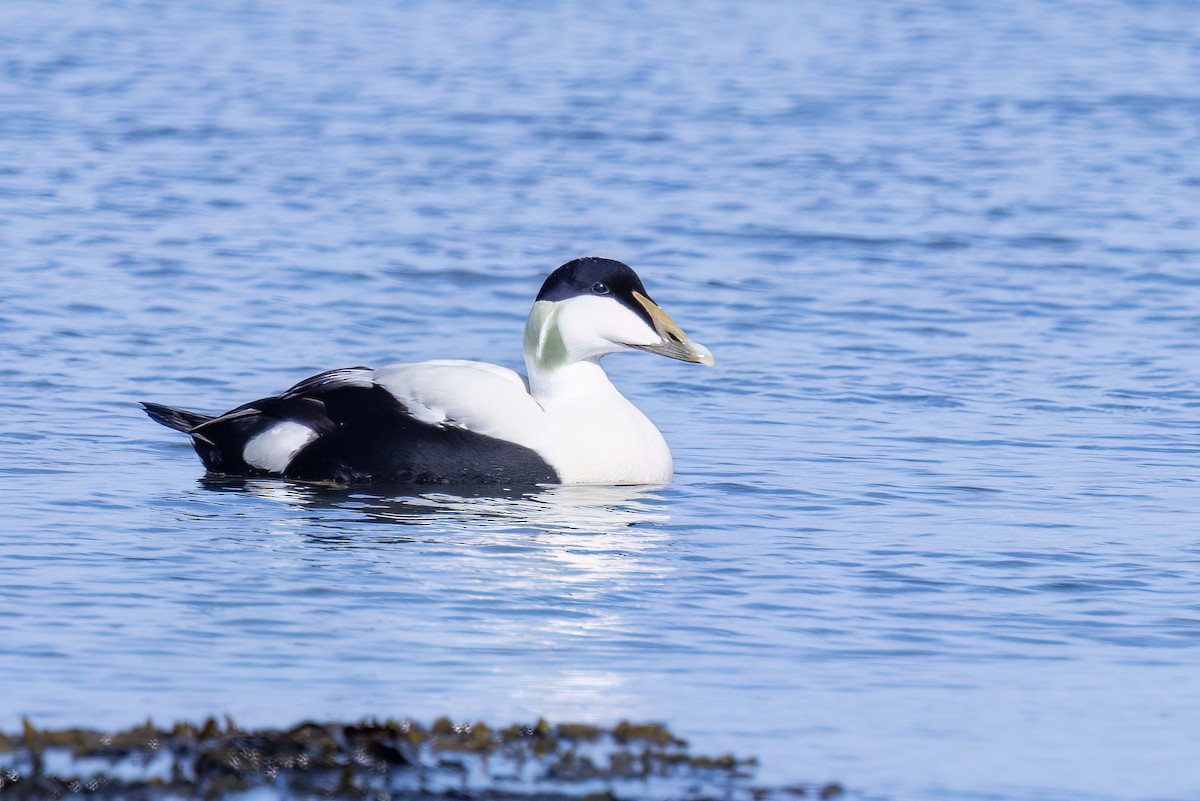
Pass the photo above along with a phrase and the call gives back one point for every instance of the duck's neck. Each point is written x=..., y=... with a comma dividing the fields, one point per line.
x=590, y=433
x=555, y=375
x=578, y=382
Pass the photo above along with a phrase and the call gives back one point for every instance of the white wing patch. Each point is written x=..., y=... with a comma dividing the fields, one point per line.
x=479, y=397
x=427, y=413
x=509, y=375
x=274, y=448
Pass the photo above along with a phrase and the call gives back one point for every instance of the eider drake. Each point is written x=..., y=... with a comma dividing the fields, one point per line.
x=463, y=422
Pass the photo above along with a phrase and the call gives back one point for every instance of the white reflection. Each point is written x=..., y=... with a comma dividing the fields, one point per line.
x=592, y=510
x=559, y=509
x=270, y=489
x=580, y=694
x=545, y=571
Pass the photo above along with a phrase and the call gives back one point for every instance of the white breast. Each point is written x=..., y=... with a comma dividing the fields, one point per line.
x=608, y=451
x=595, y=436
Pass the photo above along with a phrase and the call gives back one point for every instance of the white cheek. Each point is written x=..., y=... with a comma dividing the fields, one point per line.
x=599, y=323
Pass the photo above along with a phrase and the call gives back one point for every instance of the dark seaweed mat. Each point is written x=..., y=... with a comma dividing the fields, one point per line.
x=375, y=760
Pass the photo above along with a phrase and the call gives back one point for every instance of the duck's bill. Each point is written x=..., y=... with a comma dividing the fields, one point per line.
x=686, y=351
x=675, y=344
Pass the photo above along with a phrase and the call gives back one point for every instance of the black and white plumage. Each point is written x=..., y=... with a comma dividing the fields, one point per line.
x=463, y=422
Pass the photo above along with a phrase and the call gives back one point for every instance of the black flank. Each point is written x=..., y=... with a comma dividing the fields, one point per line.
x=377, y=439
x=365, y=434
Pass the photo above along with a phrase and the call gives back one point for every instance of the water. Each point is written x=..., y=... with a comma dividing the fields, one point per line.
x=933, y=531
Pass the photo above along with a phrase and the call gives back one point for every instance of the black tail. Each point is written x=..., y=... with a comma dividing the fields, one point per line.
x=178, y=419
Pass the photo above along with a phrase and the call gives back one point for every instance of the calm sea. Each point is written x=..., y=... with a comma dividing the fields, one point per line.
x=934, y=530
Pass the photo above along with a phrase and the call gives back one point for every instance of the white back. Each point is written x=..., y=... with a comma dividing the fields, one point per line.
x=477, y=396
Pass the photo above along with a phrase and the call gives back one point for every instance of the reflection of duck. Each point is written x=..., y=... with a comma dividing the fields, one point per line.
x=533, y=578
x=558, y=510
x=460, y=422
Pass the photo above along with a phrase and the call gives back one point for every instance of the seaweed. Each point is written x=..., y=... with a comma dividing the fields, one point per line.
x=376, y=759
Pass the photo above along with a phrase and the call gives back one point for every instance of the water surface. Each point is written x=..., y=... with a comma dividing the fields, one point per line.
x=933, y=531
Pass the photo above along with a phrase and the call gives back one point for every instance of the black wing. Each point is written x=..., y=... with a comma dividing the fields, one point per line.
x=363, y=433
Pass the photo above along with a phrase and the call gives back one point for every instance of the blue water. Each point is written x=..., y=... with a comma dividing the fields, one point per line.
x=934, y=527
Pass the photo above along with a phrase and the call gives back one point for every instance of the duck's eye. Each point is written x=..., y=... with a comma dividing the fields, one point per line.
x=600, y=288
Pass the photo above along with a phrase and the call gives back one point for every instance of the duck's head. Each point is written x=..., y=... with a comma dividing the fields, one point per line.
x=591, y=307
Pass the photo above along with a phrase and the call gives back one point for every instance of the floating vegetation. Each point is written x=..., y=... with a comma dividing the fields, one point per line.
x=375, y=760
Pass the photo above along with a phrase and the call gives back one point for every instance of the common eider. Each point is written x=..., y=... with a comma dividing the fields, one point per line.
x=464, y=422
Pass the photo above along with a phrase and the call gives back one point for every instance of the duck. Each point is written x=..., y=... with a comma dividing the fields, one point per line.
x=460, y=422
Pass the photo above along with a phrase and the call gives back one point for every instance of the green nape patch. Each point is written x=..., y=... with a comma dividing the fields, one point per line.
x=375, y=760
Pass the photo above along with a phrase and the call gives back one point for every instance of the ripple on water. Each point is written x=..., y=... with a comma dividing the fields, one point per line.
x=933, y=519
